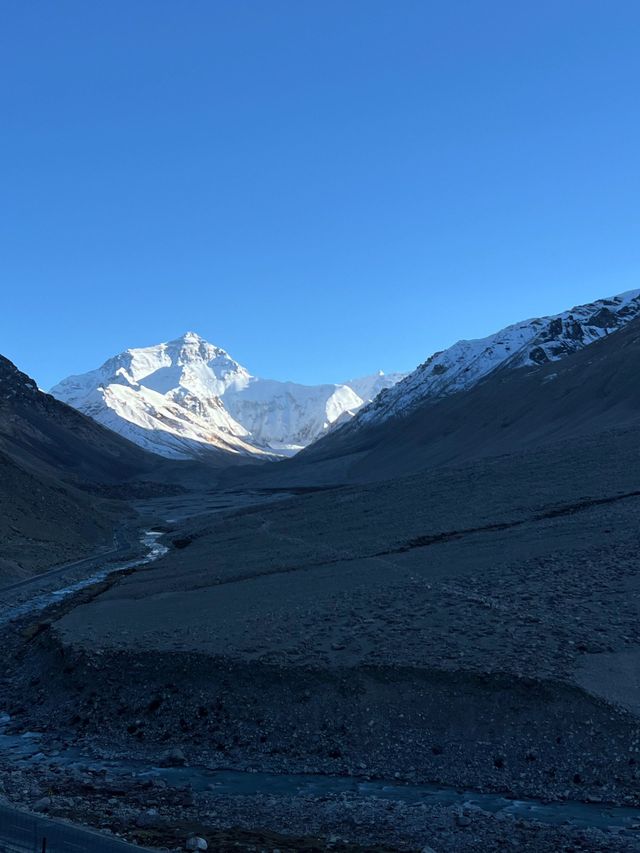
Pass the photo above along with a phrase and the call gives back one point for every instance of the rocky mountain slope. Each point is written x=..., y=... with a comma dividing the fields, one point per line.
x=511, y=409
x=55, y=466
x=49, y=437
x=526, y=344
x=44, y=522
x=187, y=397
x=44, y=519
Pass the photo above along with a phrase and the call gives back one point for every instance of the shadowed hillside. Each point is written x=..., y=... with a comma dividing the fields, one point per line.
x=55, y=467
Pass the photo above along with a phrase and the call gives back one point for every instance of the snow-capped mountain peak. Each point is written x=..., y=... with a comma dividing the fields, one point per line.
x=187, y=395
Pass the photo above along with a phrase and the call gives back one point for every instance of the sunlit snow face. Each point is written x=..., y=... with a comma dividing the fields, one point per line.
x=179, y=397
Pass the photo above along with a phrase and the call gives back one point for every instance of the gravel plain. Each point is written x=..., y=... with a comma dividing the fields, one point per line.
x=464, y=627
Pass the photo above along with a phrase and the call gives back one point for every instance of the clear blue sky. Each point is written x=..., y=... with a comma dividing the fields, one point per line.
x=322, y=187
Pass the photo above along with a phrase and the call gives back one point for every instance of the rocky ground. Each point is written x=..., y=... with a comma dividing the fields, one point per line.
x=472, y=627
x=153, y=815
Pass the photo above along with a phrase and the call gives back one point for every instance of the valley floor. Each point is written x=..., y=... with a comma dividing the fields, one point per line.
x=474, y=628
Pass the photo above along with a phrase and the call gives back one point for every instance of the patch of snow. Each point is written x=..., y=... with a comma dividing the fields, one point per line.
x=368, y=387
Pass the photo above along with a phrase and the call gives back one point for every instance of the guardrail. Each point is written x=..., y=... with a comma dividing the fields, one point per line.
x=21, y=832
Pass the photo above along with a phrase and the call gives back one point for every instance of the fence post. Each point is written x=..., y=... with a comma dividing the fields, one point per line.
x=44, y=845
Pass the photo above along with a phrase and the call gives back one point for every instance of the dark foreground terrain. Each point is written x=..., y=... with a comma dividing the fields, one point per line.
x=471, y=629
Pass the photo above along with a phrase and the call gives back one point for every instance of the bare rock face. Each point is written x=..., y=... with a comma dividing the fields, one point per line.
x=14, y=383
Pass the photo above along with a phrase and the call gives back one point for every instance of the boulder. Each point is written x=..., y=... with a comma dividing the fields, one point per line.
x=173, y=758
x=196, y=843
x=42, y=805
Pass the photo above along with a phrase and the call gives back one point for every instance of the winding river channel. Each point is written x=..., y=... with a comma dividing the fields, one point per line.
x=24, y=752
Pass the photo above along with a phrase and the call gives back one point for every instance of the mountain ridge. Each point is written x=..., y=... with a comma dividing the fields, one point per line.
x=508, y=411
x=535, y=341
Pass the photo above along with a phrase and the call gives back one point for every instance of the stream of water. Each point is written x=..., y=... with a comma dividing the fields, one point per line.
x=25, y=752
x=45, y=599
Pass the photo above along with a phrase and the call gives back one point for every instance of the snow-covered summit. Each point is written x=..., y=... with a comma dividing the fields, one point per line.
x=528, y=343
x=189, y=362
x=186, y=395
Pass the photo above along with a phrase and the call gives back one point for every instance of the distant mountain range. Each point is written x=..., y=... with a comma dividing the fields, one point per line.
x=548, y=379
x=187, y=398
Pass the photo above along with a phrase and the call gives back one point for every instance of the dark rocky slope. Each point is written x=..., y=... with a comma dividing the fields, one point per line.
x=44, y=521
x=56, y=467
x=46, y=436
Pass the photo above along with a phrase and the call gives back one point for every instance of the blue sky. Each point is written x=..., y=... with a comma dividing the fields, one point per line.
x=322, y=188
